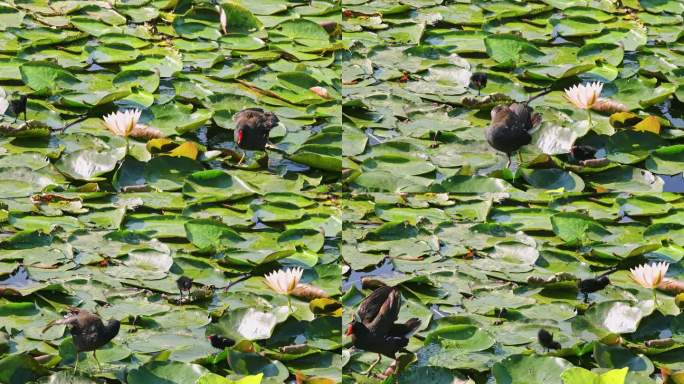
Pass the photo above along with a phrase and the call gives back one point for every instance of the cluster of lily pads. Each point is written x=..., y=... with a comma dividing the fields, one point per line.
x=120, y=174
x=485, y=273
x=414, y=123
x=121, y=182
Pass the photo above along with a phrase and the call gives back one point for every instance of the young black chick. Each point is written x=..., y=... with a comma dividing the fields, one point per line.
x=478, y=80
x=220, y=342
x=510, y=127
x=546, y=340
x=87, y=330
x=374, y=329
x=587, y=286
x=583, y=152
x=19, y=106
x=184, y=284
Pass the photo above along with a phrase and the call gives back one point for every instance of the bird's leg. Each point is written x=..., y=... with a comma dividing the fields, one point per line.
x=99, y=368
x=586, y=298
x=181, y=294
x=508, y=164
x=76, y=363
x=370, y=369
x=241, y=158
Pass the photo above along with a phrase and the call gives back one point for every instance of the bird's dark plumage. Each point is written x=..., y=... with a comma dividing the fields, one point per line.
x=593, y=284
x=220, y=342
x=510, y=127
x=87, y=329
x=252, y=126
x=380, y=309
x=374, y=329
x=583, y=152
x=478, y=80
x=546, y=340
x=184, y=284
x=19, y=106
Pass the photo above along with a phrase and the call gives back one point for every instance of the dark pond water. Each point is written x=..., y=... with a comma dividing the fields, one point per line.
x=673, y=183
x=386, y=269
x=18, y=279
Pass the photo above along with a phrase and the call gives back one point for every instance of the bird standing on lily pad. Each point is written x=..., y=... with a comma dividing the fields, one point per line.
x=252, y=127
x=374, y=329
x=478, y=80
x=184, y=284
x=88, y=331
x=511, y=127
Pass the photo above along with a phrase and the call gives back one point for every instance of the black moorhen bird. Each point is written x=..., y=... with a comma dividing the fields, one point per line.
x=87, y=330
x=220, y=342
x=583, y=152
x=478, y=80
x=19, y=106
x=546, y=340
x=510, y=127
x=184, y=284
x=252, y=126
x=374, y=329
x=595, y=284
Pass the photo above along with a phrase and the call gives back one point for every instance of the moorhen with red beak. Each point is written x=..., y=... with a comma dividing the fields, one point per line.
x=87, y=330
x=374, y=329
x=252, y=126
x=510, y=127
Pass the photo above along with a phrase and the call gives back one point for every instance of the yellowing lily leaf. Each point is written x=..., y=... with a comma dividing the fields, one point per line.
x=187, y=149
x=212, y=378
x=649, y=124
x=159, y=144
x=621, y=118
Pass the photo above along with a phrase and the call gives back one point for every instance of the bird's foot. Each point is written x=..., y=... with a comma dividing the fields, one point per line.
x=369, y=371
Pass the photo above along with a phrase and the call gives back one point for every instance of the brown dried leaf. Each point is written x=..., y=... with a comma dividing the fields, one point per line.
x=609, y=106
x=320, y=91
x=371, y=282
x=308, y=292
x=671, y=285
x=146, y=132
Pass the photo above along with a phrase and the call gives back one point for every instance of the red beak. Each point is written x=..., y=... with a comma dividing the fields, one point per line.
x=349, y=330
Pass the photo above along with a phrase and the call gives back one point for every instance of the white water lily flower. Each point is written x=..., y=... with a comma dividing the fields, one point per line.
x=4, y=103
x=222, y=18
x=649, y=276
x=122, y=123
x=285, y=280
x=584, y=96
